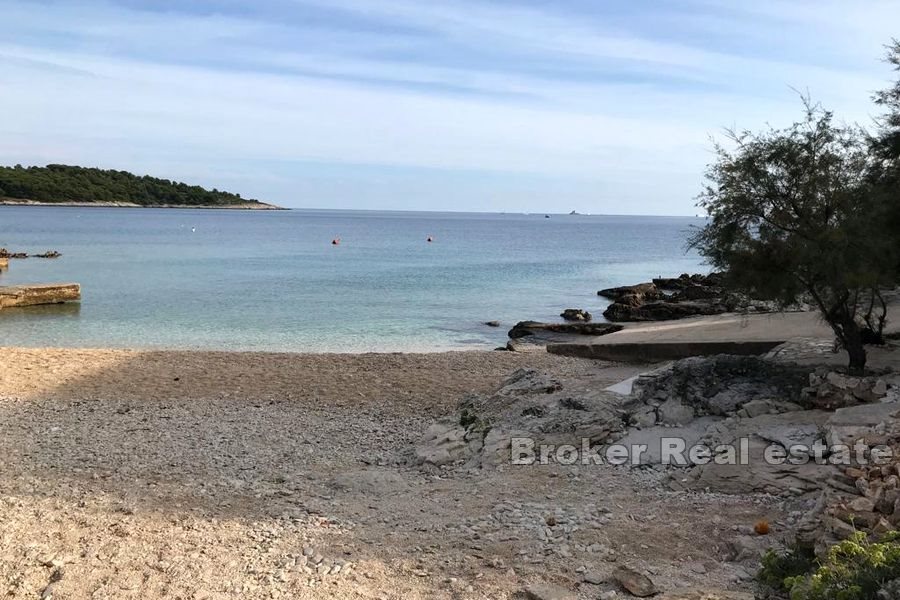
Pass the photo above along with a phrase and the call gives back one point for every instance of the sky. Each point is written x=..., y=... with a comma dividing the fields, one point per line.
x=598, y=106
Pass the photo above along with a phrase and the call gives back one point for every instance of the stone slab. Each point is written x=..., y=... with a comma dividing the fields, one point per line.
x=32, y=295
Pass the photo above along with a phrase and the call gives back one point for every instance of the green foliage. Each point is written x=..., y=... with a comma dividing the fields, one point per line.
x=855, y=569
x=886, y=145
x=778, y=568
x=794, y=212
x=467, y=418
x=62, y=183
x=888, y=139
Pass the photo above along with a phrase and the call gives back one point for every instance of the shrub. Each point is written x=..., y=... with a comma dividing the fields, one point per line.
x=855, y=569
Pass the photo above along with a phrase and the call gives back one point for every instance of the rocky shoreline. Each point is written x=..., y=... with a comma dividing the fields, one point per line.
x=662, y=299
x=665, y=299
x=6, y=254
x=768, y=406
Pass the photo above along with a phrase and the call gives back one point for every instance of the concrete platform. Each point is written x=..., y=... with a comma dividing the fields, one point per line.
x=720, y=334
x=656, y=351
x=45, y=293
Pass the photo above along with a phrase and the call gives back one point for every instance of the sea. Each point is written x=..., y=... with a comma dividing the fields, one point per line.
x=274, y=281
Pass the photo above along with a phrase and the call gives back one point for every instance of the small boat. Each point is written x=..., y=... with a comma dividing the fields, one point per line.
x=430, y=239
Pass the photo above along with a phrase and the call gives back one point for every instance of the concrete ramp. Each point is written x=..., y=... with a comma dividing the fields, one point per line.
x=720, y=334
x=657, y=351
x=45, y=293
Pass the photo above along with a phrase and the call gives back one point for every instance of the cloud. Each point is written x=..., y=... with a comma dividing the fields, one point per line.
x=450, y=103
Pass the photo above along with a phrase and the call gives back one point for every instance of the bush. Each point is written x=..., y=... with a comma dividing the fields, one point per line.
x=855, y=569
x=780, y=567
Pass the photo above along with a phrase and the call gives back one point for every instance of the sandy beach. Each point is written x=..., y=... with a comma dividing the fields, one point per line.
x=138, y=474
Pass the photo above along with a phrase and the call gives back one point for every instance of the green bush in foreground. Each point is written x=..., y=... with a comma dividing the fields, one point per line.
x=855, y=569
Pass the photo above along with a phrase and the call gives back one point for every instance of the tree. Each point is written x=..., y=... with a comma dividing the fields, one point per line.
x=63, y=183
x=887, y=143
x=792, y=214
x=886, y=147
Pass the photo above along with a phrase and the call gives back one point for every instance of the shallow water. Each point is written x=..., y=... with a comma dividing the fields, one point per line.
x=259, y=280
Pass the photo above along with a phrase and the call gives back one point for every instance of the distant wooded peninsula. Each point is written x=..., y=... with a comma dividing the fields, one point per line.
x=70, y=185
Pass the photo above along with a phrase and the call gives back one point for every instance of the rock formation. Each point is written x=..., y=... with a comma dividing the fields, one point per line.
x=576, y=314
x=535, y=328
x=527, y=404
x=676, y=298
x=534, y=336
x=4, y=253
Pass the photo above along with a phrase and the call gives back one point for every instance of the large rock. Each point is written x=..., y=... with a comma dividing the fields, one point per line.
x=663, y=310
x=760, y=475
x=654, y=437
x=723, y=384
x=529, y=381
x=646, y=291
x=533, y=336
x=686, y=281
x=49, y=254
x=868, y=422
x=678, y=298
x=4, y=253
x=673, y=412
x=576, y=314
x=528, y=404
x=536, y=328
x=446, y=442
x=698, y=292
x=735, y=401
x=634, y=582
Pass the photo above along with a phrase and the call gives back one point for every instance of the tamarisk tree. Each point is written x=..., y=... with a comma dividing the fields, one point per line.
x=792, y=215
x=886, y=147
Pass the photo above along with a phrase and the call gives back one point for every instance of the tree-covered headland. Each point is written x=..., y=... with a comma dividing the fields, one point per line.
x=69, y=184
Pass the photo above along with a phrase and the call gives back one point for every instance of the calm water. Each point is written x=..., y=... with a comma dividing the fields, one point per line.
x=272, y=280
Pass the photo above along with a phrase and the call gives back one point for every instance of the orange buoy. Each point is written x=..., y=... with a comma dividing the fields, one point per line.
x=761, y=527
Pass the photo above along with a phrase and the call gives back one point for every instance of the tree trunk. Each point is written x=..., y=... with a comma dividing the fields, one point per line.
x=854, y=344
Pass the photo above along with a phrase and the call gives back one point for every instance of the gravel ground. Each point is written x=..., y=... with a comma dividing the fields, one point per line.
x=195, y=475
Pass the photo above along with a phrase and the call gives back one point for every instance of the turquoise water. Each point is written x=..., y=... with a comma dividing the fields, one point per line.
x=247, y=280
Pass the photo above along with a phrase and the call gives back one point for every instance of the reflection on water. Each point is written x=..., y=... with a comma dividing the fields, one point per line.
x=42, y=311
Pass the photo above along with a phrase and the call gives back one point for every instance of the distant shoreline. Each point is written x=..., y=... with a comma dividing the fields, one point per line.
x=247, y=206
